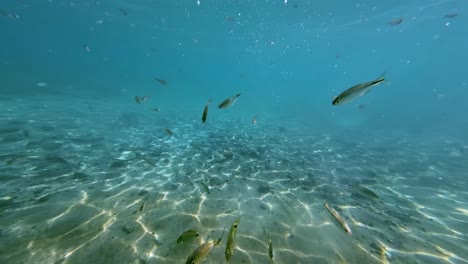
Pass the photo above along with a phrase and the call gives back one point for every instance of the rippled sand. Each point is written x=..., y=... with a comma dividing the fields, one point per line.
x=88, y=183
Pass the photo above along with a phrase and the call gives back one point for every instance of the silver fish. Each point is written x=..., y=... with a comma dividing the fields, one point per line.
x=229, y=102
x=202, y=252
x=187, y=235
x=356, y=91
x=231, y=241
x=339, y=218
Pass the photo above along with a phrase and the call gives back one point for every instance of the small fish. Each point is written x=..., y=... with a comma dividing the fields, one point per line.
x=365, y=191
x=187, y=235
x=270, y=248
x=207, y=189
x=86, y=48
x=450, y=15
x=142, y=206
x=356, y=91
x=229, y=19
x=41, y=84
x=123, y=11
x=205, y=111
x=395, y=22
x=161, y=81
x=254, y=120
x=231, y=240
x=196, y=146
x=141, y=99
x=202, y=252
x=9, y=15
x=168, y=131
x=156, y=109
x=229, y=102
x=148, y=161
x=338, y=218
x=14, y=159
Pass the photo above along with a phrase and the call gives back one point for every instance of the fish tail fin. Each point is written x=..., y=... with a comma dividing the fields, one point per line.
x=382, y=79
x=382, y=76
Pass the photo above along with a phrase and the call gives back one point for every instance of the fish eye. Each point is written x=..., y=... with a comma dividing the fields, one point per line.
x=196, y=235
x=235, y=226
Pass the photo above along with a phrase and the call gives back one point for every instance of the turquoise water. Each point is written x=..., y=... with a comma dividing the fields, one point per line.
x=90, y=175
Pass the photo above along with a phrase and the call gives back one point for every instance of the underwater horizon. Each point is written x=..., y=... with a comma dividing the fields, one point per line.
x=234, y=131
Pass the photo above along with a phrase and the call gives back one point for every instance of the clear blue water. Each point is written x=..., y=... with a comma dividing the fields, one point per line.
x=88, y=175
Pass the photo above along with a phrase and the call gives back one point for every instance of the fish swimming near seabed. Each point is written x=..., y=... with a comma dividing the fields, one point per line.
x=168, y=131
x=231, y=241
x=365, y=191
x=187, y=235
x=270, y=248
x=142, y=206
x=202, y=252
x=357, y=91
x=228, y=102
x=205, y=112
x=338, y=218
x=207, y=189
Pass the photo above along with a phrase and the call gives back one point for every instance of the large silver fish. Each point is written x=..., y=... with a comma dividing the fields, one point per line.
x=202, y=252
x=357, y=91
x=228, y=102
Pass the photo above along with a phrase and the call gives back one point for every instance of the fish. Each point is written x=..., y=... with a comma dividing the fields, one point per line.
x=207, y=189
x=168, y=131
x=123, y=11
x=450, y=15
x=205, y=112
x=202, y=252
x=142, y=206
x=356, y=91
x=254, y=120
x=156, y=109
x=148, y=161
x=339, y=218
x=14, y=159
x=365, y=191
x=231, y=240
x=395, y=22
x=86, y=48
x=229, y=19
x=187, y=235
x=141, y=99
x=229, y=102
x=270, y=248
x=161, y=81
x=9, y=15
